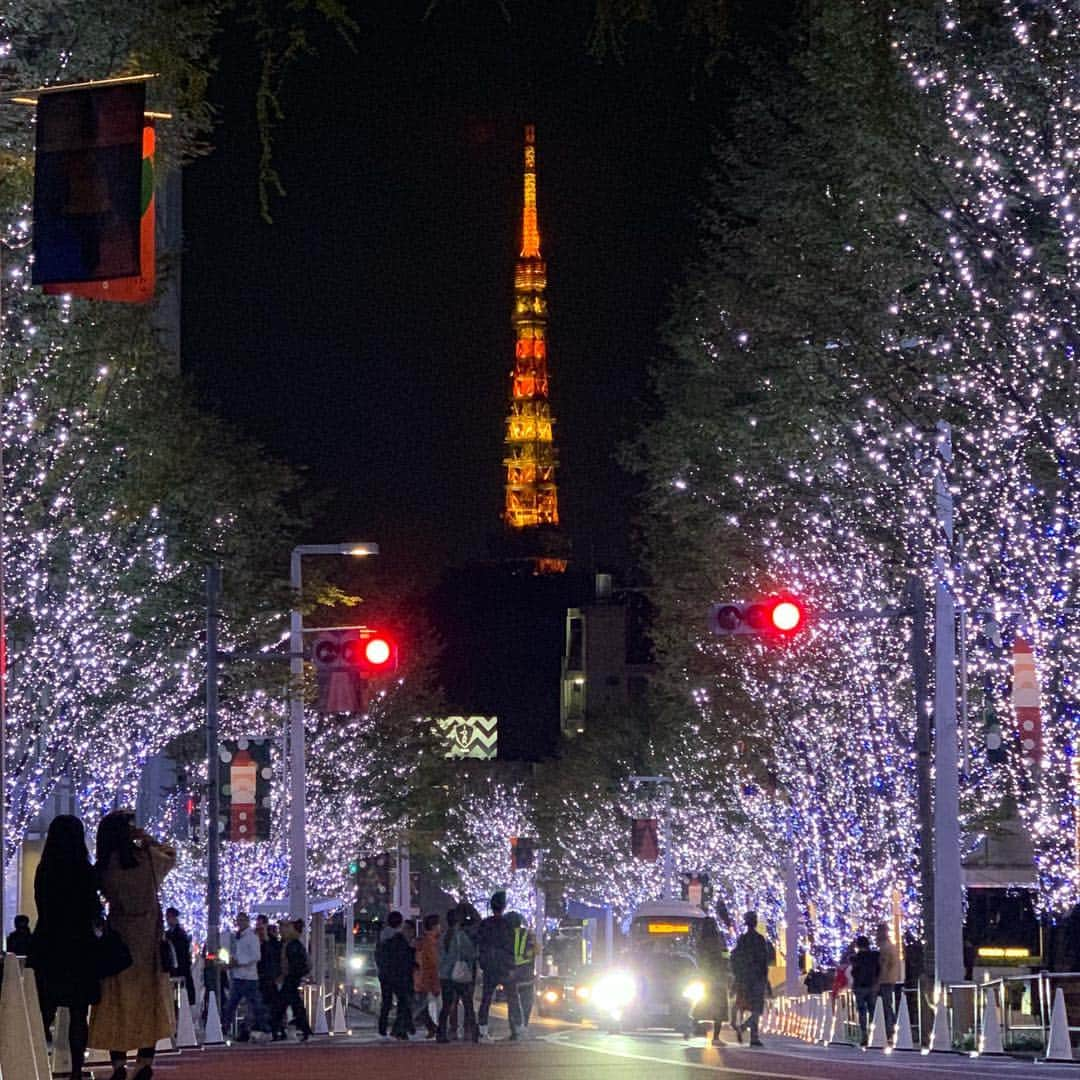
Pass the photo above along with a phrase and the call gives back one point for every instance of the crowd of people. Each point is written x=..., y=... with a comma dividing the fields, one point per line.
x=872, y=972
x=429, y=981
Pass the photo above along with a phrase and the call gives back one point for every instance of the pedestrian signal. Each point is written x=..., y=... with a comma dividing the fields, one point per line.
x=775, y=616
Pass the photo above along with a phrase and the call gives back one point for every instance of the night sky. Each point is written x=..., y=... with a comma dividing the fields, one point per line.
x=365, y=336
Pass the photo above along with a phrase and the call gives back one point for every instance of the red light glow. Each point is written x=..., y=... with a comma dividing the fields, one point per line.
x=377, y=651
x=786, y=616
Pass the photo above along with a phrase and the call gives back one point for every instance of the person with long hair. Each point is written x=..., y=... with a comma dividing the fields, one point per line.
x=62, y=948
x=136, y=1007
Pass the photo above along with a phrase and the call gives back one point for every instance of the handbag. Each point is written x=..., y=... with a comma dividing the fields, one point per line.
x=112, y=954
x=461, y=972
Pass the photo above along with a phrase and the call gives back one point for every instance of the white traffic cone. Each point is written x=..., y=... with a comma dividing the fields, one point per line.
x=61, y=1054
x=876, y=1038
x=37, y=1025
x=339, y=1027
x=186, y=1038
x=1058, y=1044
x=990, y=1036
x=941, y=1036
x=902, y=1039
x=17, y=1058
x=319, y=1027
x=213, y=1035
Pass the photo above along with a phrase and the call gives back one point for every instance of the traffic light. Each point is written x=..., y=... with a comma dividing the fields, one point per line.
x=774, y=616
x=375, y=654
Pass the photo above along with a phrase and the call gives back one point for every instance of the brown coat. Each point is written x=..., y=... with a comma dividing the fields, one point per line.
x=136, y=1007
x=426, y=977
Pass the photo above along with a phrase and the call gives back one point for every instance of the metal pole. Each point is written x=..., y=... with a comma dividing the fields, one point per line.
x=297, y=765
x=669, y=855
x=948, y=874
x=213, y=794
x=792, y=985
x=539, y=914
x=3, y=702
x=965, y=736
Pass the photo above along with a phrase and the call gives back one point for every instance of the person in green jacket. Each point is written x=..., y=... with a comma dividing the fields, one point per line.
x=519, y=994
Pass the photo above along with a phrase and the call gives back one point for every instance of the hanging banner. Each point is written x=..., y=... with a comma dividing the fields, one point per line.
x=644, y=840
x=475, y=737
x=88, y=179
x=129, y=290
x=245, y=778
x=1026, y=703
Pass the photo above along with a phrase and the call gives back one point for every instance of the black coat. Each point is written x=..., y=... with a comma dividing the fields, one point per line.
x=63, y=948
x=181, y=943
x=398, y=960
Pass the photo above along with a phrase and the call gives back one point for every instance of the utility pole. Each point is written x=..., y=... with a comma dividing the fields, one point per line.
x=213, y=795
x=948, y=873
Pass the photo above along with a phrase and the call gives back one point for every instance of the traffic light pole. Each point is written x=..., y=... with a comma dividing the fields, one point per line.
x=213, y=794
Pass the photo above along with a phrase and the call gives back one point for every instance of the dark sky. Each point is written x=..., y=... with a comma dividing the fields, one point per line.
x=365, y=335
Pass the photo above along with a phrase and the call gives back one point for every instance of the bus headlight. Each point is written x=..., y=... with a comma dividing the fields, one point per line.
x=551, y=996
x=356, y=962
x=694, y=992
x=583, y=993
x=614, y=992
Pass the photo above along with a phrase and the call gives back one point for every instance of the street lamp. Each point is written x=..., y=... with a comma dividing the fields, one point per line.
x=298, y=899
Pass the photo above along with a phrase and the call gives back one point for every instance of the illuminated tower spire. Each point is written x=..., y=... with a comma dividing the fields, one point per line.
x=532, y=500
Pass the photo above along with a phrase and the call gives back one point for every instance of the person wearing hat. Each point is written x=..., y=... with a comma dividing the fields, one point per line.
x=496, y=946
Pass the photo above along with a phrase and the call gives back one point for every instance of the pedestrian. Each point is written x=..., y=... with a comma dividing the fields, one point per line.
x=18, y=941
x=393, y=926
x=890, y=979
x=269, y=969
x=750, y=967
x=457, y=974
x=63, y=948
x=294, y=967
x=519, y=992
x=244, y=982
x=180, y=940
x=865, y=976
x=496, y=945
x=398, y=962
x=136, y=1007
x=427, y=987
x=715, y=967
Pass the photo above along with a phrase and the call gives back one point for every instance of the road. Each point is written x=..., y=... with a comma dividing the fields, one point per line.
x=571, y=1053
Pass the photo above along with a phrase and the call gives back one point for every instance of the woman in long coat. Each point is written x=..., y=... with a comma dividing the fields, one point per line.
x=63, y=946
x=136, y=1008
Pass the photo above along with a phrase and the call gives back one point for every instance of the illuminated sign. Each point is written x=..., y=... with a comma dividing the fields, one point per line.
x=469, y=736
x=996, y=952
x=668, y=928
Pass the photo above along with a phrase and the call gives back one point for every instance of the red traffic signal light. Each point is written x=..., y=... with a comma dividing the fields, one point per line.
x=378, y=653
x=775, y=616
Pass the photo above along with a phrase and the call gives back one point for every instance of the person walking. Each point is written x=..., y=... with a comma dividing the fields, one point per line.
x=294, y=967
x=890, y=979
x=750, y=966
x=269, y=969
x=715, y=966
x=393, y=926
x=427, y=987
x=865, y=978
x=396, y=967
x=457, y=974
x=62, y=949
x=136, y=1006
x=496, y=945
x=180, y=940
x=244, y=982
x=519, y=992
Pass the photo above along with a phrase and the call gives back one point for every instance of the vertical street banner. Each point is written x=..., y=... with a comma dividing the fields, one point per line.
x=88, y=184
x=1025, y=695
x=644, y=840
x=245, y=778
x=336, y=654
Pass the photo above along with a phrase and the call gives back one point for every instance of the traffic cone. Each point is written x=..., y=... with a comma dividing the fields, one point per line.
x=339, y=1027
x=17, y=1058
x=876, y=1039
x=902, y=1039
x=990, y=1036
x=61, y=1053
x=1058, y=1045
x=37, y=1025
x=186, y=1038
x=941, y=1036
x=320, y=1027
x=213, y=1035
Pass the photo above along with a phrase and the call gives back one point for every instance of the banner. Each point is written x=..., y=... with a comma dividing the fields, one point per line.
x=644, y=840
x=475, y=737
x=88, y=179
x=245, y=776
x=1025, y=695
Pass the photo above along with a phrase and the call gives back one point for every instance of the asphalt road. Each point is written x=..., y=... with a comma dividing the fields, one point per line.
x=572, y=1053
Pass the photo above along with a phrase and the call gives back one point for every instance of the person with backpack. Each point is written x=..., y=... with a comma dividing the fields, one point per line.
x=457, y=973
x=294, y=967
x=496, y=944
x=519, y=992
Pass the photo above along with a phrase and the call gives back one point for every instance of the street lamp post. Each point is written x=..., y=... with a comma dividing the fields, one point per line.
x=298, y=898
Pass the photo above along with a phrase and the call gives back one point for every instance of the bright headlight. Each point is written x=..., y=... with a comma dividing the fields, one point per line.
x=583, y=993
x=694, y=991
x=615, y=991
x=550, y=996
x=356, y=962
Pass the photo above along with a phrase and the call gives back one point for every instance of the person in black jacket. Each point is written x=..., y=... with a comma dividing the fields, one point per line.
x=865, y=978
x=18, y=941
x=397, y=961
x=294, y=966
x=496, y=945
x=750, y=966
x=269, y=968
x=180, y=940
x=63, y=947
